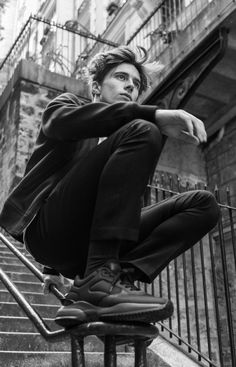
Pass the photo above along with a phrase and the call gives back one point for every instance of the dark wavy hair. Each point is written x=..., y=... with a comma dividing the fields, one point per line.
x=103, y=62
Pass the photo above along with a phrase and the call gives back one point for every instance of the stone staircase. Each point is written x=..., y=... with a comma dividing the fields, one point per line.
x=20, y=343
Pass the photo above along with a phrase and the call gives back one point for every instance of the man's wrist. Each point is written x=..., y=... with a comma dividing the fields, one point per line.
x=160, y=118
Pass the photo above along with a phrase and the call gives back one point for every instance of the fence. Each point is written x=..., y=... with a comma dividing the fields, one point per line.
x=201, y=283
x=177, y=19
x=66, y=49
x=63, y=49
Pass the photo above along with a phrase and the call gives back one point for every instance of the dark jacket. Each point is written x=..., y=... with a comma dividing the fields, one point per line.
x=69, y=129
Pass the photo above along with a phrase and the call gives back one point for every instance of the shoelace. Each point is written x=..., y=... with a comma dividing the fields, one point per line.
x=112, y=275
x=124, y=276
x=127, y=280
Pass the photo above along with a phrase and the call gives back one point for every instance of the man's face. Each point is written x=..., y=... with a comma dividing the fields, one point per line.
x=121, y=84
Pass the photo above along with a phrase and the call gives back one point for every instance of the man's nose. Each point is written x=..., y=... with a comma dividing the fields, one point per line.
x=129, y=85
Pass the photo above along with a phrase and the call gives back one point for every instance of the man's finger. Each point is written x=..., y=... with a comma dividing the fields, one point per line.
x=188, y=125
x=198, y=128
x=189, y=138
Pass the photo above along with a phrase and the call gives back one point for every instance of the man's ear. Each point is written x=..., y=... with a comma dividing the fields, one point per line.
x=96, y=88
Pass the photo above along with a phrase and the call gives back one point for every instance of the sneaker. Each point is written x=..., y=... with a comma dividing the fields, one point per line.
x=105, y=296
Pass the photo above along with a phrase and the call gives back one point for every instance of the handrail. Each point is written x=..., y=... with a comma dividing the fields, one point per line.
x=199, y=354
x=79, y=32
x=30, y=266
x=145, y=22
x=38, y=322
x=14, y=44
x=77, y=333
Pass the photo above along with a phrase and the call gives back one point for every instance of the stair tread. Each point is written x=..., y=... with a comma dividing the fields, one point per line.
x=21, y=318
x=53, y=352
x=25, y=292
x=32, y=304
x=17, y=332
x=27, y=282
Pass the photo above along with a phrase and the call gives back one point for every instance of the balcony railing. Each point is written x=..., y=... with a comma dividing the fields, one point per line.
x=66, y=49
x=174, y=26
x=201, y=283
x=63, y=49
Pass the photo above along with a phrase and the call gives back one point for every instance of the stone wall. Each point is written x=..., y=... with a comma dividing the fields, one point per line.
x=21, y=107
x=183, y=161
x=221, y=161
x=32, y=102
x=19, y=123
x=9, y=124
x=225, y=284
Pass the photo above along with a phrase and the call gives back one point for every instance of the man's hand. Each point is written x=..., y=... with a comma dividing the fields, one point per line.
x=181, y=125
x=57, y=280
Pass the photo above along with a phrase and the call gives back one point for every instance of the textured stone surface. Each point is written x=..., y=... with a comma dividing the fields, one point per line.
x=21, y=107
x=9, y=123
x=221, y=162
x=183, y=159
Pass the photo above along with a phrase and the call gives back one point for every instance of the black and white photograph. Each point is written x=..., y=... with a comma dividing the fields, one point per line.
x=117, y=183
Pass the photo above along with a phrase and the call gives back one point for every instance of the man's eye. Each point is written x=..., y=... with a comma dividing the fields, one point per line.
x=137, y=85
x=121, y=76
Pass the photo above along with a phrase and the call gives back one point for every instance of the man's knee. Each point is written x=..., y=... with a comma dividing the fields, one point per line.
x=149, y=130
x=208, y=202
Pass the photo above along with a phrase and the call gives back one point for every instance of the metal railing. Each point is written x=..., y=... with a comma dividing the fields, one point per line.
x=201, y=283
x=174, y=20
x=111, y=334
x=63, y=49
x=66, y=49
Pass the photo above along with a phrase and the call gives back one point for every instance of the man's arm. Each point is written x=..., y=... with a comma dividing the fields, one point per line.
x=181, y=125
x=65, y=119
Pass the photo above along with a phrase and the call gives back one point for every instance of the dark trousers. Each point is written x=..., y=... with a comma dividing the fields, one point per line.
x=100, y=199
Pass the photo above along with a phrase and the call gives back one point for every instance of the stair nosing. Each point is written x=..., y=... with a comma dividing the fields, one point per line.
x=26, y=293
x=16, y=272
x=27, y=283
x=32, y=304
x=22, y=318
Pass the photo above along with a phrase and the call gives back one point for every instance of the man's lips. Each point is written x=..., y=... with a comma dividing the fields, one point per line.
x=126, y=95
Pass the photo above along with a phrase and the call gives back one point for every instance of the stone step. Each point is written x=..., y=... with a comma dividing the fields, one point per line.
x=22, y=276
x=15, y=261
x=8, y=253
x=31, y=297
x=16, y=268
x=13, y=309
x=33, y=341
x=23, y=324
x=25, y=286
x=18, y=341
x=18, y=245
x=60, y=359
x=13, y=327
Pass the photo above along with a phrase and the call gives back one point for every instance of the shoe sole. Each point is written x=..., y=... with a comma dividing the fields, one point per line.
x=90, y=313
x=145, y=315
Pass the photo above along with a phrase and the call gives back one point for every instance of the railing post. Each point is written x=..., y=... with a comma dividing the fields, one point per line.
x=110, y=351
x=77, y=352
x=140, y=353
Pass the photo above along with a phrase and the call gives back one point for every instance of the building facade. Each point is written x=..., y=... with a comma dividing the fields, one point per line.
x=195, y=41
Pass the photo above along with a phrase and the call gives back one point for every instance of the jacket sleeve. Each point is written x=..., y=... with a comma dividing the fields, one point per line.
x=49, y=271
x=66, y=119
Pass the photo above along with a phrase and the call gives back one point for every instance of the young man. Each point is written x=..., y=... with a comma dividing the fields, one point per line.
x=78, y=205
